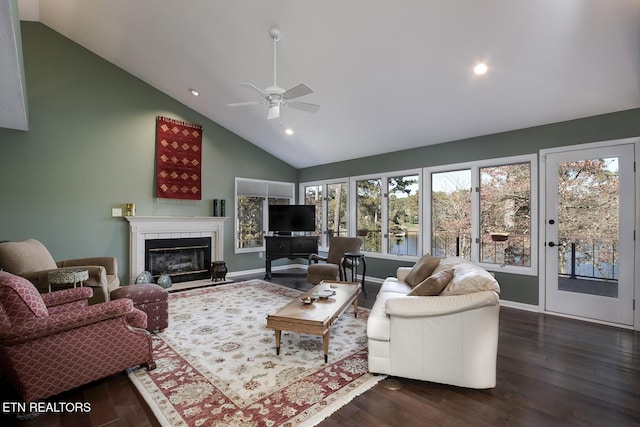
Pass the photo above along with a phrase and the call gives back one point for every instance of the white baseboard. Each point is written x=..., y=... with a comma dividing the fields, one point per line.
x=262, y=270
x=519, y=306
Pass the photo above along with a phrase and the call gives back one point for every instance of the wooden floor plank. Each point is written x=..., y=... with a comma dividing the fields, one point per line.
x=552, y=371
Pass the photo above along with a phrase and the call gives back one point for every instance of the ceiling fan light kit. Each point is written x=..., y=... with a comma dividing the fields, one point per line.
x=276, y=96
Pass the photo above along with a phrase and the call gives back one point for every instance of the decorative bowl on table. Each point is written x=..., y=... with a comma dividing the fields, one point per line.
x=308, y=300
x=324, y=293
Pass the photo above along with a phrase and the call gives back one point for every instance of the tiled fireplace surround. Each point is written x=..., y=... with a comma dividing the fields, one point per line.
x=171, y=227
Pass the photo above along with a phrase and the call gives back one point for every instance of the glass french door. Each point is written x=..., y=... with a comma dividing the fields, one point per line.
x=589, y=226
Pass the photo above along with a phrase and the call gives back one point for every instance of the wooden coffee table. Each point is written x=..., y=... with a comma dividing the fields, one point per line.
x=318, y=317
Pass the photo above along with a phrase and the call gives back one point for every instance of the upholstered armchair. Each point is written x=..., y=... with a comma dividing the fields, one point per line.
x=331, y=268
x=31, y=260
x=50, y=343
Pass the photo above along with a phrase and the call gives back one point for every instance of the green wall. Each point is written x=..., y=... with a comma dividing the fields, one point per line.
x=90, y=147
x=517, y=288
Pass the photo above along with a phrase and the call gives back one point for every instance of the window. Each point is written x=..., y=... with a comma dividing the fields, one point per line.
x=250, y=222
x=383, y=210
x=252, y=198
x=331, y=210
x=451, y=214
x=387, y=213
x=369, y=213
x=505, y=214
x=484, y=212
x=313, y=196
x=336, y=210
x=403, y=207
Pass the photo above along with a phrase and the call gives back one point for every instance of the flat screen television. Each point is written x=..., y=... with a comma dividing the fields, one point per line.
x=284, y=219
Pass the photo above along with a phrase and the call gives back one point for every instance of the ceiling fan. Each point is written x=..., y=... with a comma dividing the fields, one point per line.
x=276, y=96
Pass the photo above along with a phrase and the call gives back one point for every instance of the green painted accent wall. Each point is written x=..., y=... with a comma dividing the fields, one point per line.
x=517, y=288
x=91, y=147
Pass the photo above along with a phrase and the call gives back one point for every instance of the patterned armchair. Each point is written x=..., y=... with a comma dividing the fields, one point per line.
x=54, y=342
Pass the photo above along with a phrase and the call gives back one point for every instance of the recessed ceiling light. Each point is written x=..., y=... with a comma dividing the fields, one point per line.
x=194, y=92
x=288, y=131
x=480, y=69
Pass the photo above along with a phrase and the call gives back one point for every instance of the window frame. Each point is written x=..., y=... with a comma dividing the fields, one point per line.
x=474, y=167
x=302, y=196
x=384, y=244
x=259, y=188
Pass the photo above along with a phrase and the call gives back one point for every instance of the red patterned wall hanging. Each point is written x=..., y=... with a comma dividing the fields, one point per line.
x=179, y=159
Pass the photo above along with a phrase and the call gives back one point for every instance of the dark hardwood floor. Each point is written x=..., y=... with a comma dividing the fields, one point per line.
x=552, y=371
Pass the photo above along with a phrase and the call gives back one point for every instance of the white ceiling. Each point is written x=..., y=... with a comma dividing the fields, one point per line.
x=388, y=75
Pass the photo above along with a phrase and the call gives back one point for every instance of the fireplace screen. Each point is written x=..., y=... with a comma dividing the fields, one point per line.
x=184, y=259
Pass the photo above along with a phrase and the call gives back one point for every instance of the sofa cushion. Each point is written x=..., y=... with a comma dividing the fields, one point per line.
x=393, y=285
x=467, y=277
x=433, y=284
x=20, y=299
x=421, y=270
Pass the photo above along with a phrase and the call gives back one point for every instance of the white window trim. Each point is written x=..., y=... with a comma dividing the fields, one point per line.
x=322, y=243
x=474, y=167
x=384, y=177
x=265, y=212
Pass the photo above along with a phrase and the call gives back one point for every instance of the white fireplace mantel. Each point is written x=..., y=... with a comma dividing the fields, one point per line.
x=171, y=227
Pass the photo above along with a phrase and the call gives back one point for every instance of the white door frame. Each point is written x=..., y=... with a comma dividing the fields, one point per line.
x=541, y=223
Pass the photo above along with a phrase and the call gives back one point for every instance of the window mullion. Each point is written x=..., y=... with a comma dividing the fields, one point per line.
x=475, y=214
x=384, y=213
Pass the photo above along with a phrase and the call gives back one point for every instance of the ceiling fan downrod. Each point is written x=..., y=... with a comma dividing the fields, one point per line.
x=276, y=36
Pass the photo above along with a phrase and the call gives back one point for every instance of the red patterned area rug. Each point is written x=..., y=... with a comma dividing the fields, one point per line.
x=217, y=364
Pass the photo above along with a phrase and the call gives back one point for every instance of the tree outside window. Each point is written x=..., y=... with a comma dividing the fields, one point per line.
x=313, y=196
x=451, y=214
x=369, y=213
x=505, y=214
x=336, y=210
x=589, y=189
x=404, y=213
x=250, y=221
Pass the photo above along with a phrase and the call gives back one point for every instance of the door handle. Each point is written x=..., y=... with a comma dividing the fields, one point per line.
x=552, y=244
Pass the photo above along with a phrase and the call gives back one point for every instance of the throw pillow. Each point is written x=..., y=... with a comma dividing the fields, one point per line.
x=423, y=269
x=433, y=284
x=469, y=278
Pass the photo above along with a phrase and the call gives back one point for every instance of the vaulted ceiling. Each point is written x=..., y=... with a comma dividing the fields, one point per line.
x=387, y=75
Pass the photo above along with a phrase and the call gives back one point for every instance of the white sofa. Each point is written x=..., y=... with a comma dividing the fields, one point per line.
x=451, y=338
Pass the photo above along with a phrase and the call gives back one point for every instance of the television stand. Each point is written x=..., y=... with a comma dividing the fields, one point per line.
x=291, y=247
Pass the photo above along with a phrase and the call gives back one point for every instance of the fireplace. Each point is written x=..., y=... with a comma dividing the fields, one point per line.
x=155, y=228
x=184, y=259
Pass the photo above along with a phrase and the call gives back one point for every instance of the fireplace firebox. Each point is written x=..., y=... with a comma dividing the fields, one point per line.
x=184, y=259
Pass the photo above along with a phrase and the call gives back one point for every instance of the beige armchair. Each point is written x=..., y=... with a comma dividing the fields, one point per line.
x=331, y=269
x=31, y=260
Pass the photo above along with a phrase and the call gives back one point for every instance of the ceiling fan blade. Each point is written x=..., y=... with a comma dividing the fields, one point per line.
x=255, y=87
x=298, y=91
x=244, y=104
x=304, y=106
x=274, y=112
